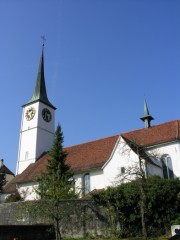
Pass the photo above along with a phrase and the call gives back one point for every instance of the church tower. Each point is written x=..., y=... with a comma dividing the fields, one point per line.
x=37, y=124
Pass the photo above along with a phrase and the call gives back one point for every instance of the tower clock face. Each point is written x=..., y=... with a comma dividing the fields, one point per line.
x=46, y=114
x=30, y=113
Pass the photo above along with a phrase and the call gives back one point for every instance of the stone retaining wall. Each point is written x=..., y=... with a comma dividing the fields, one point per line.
x=84, y=220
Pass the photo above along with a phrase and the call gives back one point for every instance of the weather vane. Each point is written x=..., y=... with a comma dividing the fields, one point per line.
x=43, y=39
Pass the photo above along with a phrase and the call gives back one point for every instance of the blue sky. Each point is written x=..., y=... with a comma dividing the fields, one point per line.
x=101, y=58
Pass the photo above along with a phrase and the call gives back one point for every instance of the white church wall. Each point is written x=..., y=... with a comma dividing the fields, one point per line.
x=124, y=158
x=121, y=159
x=173, y=150
x=78, y=182
x=28, y=191
x=96, y=180
x=9, y=177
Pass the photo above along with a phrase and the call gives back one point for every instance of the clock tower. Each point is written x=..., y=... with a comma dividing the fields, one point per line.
x=37, y=124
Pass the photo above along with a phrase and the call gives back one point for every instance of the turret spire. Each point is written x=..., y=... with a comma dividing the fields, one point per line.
x=40, y=93
x=147, y=117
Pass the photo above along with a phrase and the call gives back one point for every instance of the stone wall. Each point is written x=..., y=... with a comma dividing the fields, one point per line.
x=84, y=219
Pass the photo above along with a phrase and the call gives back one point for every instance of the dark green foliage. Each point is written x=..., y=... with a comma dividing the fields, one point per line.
x=163, y=204
x=14, y=197
x=2, y=179
x=123, y=205
x=56, y=184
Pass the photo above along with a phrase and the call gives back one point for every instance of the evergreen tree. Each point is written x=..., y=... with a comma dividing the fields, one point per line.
x=56, y=184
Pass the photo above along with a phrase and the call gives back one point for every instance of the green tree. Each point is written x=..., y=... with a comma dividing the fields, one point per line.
x=138, y=170
x=56, y=184
x=124, y=205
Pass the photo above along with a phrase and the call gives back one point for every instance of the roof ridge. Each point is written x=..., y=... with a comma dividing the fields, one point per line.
x=91, y=141
x=176, y=120
x=121, y=134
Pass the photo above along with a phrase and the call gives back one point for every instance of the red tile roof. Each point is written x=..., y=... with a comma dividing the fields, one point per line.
x=80, y=157
x=91, y=154
x=7, y=170
x=158, y=134
x=95, y=154
x=10, y=187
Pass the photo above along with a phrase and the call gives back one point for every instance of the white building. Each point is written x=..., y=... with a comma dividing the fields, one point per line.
x=96, y=164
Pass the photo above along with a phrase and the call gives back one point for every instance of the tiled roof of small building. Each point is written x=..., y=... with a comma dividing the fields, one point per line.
x=7, y=170
x=95, y=154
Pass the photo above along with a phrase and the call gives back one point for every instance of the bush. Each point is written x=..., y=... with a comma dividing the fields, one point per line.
x=14, y=197
x=123, y=206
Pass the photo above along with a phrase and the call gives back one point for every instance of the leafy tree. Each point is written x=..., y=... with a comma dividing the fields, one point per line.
x=138, y=170
x=56, y=184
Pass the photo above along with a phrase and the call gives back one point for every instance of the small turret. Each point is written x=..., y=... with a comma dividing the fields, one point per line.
x=147, y=118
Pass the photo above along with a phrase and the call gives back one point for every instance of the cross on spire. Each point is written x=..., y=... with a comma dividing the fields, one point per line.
x=43, y=39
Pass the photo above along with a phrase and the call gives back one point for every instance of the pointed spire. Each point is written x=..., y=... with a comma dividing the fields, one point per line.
x=147, y=117
x=40, y=93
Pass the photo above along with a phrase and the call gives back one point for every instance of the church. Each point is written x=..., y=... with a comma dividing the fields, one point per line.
x=96, y=164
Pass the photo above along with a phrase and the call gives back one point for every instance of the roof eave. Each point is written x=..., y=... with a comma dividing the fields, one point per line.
x=39, y=100
x=85, y=170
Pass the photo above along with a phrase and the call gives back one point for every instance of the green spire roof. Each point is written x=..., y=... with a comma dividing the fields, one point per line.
x=40, y=93
x=147, y=117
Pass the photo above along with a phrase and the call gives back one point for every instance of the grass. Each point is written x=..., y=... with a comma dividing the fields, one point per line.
x=166, y=237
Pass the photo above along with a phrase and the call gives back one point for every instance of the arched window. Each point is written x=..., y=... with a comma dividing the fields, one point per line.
x=86, y=183
x=167, y=166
